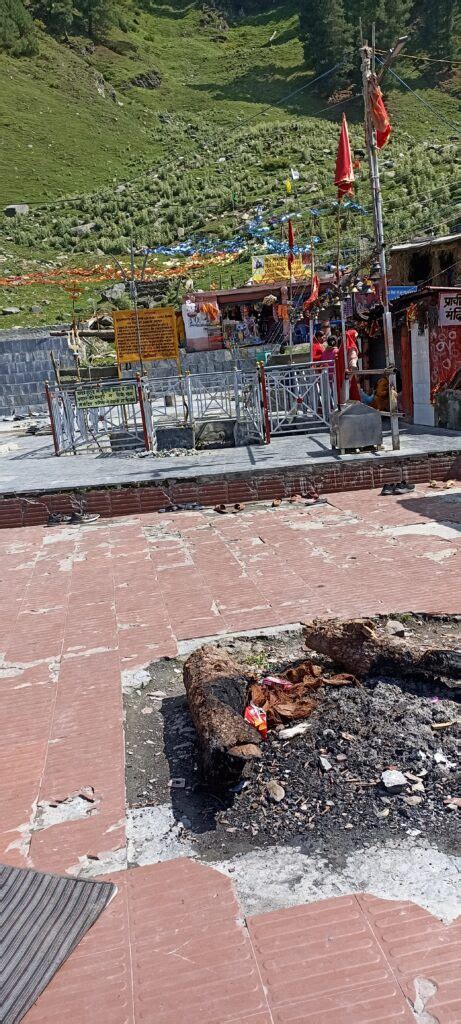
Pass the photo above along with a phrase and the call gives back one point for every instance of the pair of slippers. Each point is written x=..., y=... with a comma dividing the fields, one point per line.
x=400, y=488
x=61, y=519
x=224, y=509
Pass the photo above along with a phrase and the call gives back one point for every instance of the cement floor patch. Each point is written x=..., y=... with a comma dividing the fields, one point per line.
x=444, y=531
x=400, y=870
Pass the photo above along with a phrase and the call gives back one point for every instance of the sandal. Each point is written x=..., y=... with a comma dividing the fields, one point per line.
x=58, y=519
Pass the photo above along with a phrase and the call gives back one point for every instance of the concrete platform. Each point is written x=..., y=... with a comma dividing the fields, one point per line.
x=88, y=608
x=129, y=484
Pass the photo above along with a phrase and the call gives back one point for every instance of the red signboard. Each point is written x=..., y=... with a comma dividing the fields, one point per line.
x=444, y=354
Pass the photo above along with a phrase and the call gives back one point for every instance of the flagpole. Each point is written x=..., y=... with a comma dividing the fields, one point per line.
x=343, y=397
x=372, y=150
x=311, y=313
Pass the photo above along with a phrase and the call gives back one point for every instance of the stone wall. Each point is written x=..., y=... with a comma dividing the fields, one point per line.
x=202, y=362
x=25, y=365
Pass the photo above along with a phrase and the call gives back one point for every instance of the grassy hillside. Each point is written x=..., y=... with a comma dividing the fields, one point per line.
x=197, y=153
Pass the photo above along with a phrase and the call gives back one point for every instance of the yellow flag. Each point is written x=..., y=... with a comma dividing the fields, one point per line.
x=288, y=186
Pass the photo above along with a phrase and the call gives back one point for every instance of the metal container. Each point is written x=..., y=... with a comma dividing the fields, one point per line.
x=356, y=426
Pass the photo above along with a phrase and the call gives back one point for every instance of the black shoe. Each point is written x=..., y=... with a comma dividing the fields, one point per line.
x=388, y=489
x=58, y=519
x=403, y=488
x=84, y=517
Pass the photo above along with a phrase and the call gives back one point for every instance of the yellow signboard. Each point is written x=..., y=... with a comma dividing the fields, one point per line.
x=154, y=331
x=267, y=269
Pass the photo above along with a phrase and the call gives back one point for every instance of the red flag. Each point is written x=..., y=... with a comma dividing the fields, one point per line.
x=314, y=293
x=344, y=173
x=379, y=115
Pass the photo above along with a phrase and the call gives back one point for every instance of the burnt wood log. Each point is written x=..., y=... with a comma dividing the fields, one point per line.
x=217, y=696
x=359, y=647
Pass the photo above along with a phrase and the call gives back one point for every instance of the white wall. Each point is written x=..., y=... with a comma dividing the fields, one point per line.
x=423, y=410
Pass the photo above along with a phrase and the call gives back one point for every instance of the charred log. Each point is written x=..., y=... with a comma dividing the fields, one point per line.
x=357, y=646
x=217, y=696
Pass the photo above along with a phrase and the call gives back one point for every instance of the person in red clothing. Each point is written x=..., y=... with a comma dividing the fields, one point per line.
x=318, y=347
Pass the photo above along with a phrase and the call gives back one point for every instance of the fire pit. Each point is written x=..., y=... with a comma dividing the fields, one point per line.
x=378, y=752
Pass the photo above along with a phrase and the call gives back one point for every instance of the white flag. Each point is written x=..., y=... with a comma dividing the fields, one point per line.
x=294, y=174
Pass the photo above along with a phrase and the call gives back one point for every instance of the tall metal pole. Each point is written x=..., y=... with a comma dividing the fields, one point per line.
x=344, y=392
x=370, y=134
x=134, y=299
x=311, y=311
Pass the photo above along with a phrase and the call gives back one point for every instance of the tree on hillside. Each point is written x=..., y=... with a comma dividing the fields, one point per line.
x=327, y=37
x=439, y=25
x=95, y=15
x=17, y=34
x=396, y=21
x=56, y=15
x=362, y=14
x=390, y=17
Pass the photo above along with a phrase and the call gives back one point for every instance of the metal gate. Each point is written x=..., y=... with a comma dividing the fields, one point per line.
x=107, y=418
x=194, y=398
x=264, y=402
x=297, y=399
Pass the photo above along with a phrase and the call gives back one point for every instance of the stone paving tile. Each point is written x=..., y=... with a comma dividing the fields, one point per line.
x=322, y=963
x=86, y=605
x=418, y=946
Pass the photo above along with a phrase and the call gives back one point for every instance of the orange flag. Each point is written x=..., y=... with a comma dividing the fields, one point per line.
x=379, y=115
x=344, y=172
x=315, y=288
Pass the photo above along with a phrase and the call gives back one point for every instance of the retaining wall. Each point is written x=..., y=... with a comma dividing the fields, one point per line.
x=259, y=485
x=25, y=365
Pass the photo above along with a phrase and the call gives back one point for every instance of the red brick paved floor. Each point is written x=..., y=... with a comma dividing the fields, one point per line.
x=81, y=607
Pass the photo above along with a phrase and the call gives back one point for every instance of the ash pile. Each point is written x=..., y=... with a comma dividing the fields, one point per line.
x=362, y=734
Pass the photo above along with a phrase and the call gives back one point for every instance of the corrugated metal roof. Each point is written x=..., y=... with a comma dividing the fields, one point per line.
x=422, y=243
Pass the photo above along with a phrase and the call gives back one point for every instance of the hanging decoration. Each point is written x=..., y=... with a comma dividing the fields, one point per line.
x=344, y=171
x=379, y=115
x=315, y=289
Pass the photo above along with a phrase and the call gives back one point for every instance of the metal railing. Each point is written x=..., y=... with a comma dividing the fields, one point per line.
x=262, y=401
x=100, y=418
x=299, y=398
x=124, y=415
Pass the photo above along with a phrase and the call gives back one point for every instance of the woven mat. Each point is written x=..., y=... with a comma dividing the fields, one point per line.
x=42, y=919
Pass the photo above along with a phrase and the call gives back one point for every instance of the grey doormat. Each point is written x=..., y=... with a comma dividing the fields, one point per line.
x=42, y=919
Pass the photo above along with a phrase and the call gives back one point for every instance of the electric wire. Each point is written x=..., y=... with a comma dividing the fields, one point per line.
x=429, y=106
x=421, y=59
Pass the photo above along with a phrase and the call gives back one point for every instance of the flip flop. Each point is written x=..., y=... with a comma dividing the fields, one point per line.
x=238, y=507
x=221, y=509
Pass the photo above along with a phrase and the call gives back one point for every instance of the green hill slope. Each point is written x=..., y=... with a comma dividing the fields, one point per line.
x=213, y=134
